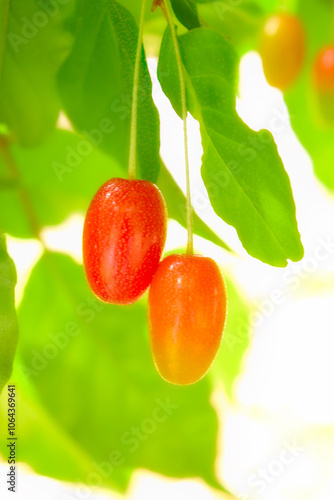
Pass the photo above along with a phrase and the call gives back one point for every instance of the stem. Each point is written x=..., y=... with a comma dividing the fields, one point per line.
x=169, y=15
x=134, y=111
x=8, y=158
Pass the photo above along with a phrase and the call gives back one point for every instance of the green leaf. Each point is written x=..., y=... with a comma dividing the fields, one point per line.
x=154, y=27
x=186, y=12
x=238, y=21
x=242, y=170
x=315, y=134
x=60, y=177
x=33, y=45
x=90, y=388
x=8, y=320
x=96, y=85
x=236, y=339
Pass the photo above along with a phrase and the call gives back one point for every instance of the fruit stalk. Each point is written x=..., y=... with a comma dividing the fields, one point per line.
x=169, y=15
x=134, y=110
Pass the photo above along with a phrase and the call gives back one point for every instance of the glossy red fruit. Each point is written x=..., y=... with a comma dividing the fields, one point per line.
x=323, y=70
x=123, y=239
x=187, y=312
x=282, y=48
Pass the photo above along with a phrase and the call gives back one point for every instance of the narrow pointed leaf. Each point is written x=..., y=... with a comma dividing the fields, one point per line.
x=96, y=85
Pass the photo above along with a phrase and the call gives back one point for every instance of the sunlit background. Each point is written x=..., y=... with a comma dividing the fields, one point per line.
x=276, y=441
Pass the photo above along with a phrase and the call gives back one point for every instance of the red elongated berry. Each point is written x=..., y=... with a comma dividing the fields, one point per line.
x=323, y=80
x=282, y=48
x=187, y=312
x=323, y=70
x=123, y=239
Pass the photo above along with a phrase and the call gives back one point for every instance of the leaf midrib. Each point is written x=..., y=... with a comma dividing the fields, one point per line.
x=208, y=129
x=204, y=76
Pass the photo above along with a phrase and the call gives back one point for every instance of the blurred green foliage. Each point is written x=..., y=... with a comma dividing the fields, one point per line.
x=8, y=320
x=96, y=85
x=94, y=383
x=84, y=374
x=315, y=134
x=187, y=13
x=236, y=338
x=33, y=46
x=57, y=175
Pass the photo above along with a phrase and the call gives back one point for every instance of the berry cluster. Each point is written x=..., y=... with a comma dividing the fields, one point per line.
x=123, y=240
x=283, y=49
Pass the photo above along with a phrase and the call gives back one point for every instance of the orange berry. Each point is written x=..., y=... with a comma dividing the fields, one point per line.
x=323, y=70
x=282, y=48
x=187, y=312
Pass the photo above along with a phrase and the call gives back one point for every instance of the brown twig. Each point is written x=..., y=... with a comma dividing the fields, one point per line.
x=27, y=204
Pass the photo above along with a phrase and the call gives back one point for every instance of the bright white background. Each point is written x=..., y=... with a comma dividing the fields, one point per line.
x=284, y=397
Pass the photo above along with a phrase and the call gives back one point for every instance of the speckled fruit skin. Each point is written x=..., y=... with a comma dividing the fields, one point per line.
x=323, y=70
x=282, y=48
x=123, y=239
x=187, y=312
